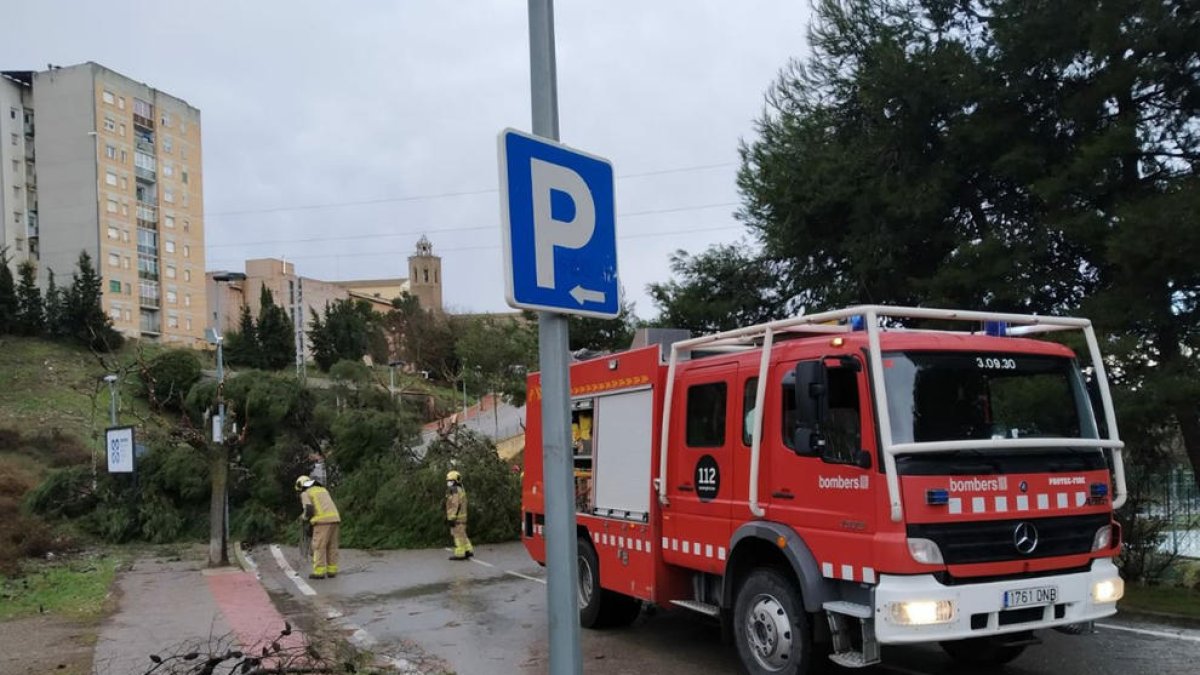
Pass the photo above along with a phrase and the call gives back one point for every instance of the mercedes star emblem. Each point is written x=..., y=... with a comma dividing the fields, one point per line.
x=1025, y=538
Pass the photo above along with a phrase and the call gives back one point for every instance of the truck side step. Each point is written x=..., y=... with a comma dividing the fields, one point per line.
x=842, y=617
x=697, y=606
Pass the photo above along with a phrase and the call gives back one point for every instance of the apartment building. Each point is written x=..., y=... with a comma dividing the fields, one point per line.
x=18, y=180
x=116, y=170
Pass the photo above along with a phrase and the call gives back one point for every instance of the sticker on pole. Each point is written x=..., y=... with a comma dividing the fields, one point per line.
x=118, y=444
x=558, y=221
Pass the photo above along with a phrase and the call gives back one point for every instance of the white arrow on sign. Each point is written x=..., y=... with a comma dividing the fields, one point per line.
x=583, y=295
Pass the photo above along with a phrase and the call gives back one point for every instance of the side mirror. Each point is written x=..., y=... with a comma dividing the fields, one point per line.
x=812, y=406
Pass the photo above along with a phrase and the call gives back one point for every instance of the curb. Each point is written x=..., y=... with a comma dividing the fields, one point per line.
x=1159, y=617
x=244, y=561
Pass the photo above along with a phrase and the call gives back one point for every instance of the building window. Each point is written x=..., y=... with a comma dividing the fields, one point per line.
x=110, y=151
x=110, y=124
x=108, y=97
x=170, y=271
x=113, y=233
x=187, y=251
x=169, y=221
x=110, y=178
x=166, y=119
x=189, y=323
x=172, y=322
x=125, y=262
x=185, y=200
x=187, y=275
x=12, y=112
x=124, y=209
x=142, y=108
x=125, y=236
x=187, y=227
x=112, y=206
x=124, y=157
x=115, y=313
x=187, y=299
x=168, y=195
x=121, y=102
x=17, y=217
x=170, y=246
x=172, y=297
x=168, y=169
x=124, y=183
x=128, y=315
x=122, y=130
x=114, y=260
x=128, y=291
x=14, y=139
x=183, y=176
x=167, y=144
x=114, y=286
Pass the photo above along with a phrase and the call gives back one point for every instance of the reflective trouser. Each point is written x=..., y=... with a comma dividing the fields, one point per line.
x=325, y=548
x=462, y=545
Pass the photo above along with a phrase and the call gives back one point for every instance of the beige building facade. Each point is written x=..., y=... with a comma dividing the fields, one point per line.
x=302, y=296
x=117, y=169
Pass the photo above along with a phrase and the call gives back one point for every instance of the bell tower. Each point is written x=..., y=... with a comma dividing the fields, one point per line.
x=425, y=276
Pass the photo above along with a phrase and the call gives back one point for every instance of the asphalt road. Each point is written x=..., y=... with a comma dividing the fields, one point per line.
x=487, y=616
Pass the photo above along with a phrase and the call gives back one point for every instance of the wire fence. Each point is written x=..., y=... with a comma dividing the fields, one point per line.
x=1172, y=498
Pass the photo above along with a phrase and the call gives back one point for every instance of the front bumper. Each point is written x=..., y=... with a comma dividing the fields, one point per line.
x=979, y=608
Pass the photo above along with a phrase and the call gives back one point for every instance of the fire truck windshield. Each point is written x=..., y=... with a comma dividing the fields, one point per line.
x=951, y=396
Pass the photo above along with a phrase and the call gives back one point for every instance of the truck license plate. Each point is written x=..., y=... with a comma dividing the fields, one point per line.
x=1029, y=597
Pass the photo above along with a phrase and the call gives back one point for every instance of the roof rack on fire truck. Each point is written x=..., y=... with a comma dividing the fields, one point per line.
x=868, y=318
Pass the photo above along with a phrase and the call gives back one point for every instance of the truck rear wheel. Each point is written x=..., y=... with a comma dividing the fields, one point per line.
x=598, y=607
x=983, y=652
x=770, y=625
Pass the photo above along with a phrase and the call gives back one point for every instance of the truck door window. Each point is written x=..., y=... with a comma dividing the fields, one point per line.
x=706, y=415
x=843, y=432
x=749, y=393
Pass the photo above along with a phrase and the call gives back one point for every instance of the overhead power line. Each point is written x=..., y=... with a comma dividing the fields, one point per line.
x=438, y=195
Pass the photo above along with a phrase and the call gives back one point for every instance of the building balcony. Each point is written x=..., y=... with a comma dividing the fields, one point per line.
x=147, y=216
x=144, y=174
x=143, y=122
x=29, y=156
x=144, y=145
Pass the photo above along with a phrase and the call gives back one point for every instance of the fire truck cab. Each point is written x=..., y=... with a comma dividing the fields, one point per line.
x=831, y=483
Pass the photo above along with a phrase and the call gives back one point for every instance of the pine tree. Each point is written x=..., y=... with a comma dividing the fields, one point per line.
x=8, y=296
x=275, y=333
x=54, y=307
x=31, y=318
x=84, y=319
x=241, y=345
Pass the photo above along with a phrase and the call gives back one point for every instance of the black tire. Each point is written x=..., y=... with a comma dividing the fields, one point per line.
x=770, y=626
x=591, y=596
x=984, y=652
x=598, y=607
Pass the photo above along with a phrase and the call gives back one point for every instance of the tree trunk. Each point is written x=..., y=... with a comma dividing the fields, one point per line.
x=218, y=555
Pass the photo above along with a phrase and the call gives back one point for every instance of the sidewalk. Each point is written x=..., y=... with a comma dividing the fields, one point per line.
x=167, y=607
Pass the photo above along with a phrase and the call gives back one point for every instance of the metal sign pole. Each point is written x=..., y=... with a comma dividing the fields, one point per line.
x=561, y=545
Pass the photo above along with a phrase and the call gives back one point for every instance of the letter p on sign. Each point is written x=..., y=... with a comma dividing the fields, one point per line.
x=559, y=228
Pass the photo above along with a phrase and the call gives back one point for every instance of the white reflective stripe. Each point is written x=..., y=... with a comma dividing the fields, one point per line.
x=1022, y=502
x=1080, y=498
x=955, y=505
x=596, y=537
x=720, y=553
x=848, y=572
x=1062, y=500
x=637, y=544
x=666, y=542
x=686, y=545
x=827, y=570
x=621, y=542
x=1043, y=501
x=977, y=505
x=868, y=575
x=708, y=550
x=674, y=544
x=1001, y=504
x=696, y=547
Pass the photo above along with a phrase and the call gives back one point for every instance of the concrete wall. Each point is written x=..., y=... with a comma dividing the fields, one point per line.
x=66, y=169
x=12, y=233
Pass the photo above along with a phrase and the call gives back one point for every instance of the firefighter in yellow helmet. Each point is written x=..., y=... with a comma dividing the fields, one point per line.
x=320, y=511
x=456, y=516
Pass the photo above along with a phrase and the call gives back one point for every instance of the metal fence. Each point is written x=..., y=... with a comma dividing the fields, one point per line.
x=1172, y=496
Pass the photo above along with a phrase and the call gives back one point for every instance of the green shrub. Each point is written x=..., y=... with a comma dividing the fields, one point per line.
x=161, y=520
x=65, y=493
x=168, y=377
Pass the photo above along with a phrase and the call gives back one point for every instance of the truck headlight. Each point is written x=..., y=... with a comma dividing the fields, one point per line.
x=1109, y=590
x=922, y=612
x=925, y=551
x=1103, y=538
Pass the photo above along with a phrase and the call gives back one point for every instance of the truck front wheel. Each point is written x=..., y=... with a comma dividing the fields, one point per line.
x=770, y=625
x=599, y=607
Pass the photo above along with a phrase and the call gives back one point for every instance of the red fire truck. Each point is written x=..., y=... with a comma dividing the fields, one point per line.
x=831, y=483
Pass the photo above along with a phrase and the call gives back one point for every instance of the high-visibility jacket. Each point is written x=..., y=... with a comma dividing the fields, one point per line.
x=323, y=508
x=456, y=505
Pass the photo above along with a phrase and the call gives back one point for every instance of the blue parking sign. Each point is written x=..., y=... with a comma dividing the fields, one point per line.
x=558, y=219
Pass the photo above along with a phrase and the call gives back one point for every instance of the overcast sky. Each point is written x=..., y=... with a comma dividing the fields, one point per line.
x=337, y=133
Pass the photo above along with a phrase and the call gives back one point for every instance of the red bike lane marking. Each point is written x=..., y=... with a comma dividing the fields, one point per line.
x=255, y=621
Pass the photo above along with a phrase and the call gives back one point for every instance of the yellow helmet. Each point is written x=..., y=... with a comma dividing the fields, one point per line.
x=304, y=482
x=454, y=476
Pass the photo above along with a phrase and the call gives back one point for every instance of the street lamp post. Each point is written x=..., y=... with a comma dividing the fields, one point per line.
x=111, y=379
x=392, y=382
x=219, y=510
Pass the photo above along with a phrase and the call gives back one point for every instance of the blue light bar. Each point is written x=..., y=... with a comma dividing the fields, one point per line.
x=1099, y=489
x=858, y=322
x=995, y=328
x=937, y=497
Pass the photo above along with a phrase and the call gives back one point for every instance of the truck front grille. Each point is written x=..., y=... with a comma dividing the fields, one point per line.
x=993, y=540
